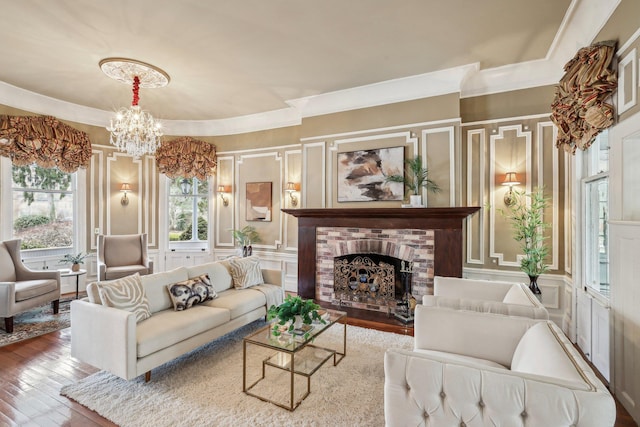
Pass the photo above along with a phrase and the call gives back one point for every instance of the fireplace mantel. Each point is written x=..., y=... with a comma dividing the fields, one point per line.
x=445, y=222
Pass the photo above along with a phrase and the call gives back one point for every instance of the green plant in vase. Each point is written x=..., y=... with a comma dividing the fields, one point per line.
x=415, y=178
x=74, y=260
x=293, y=313
x=526, y=216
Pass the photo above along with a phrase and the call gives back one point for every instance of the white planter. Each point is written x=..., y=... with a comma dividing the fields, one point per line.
x=415, y=200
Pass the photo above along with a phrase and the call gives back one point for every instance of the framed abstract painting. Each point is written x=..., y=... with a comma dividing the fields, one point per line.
x=258, y=201
x=362, y=175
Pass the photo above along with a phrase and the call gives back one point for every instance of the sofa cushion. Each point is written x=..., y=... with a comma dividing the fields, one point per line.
x=126, y=294
x=168, y=327
x=218, y=274
x=539, y=352
x=517, y=295
x=155, y=287
x=190, y=292
x=239, y=301
x=27, y=289
x=245, y=272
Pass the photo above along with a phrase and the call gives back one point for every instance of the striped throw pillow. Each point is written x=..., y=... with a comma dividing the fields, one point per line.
x=245, y=272
x=126, y=294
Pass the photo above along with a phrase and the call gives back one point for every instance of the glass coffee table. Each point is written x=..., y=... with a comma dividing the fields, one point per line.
x=295, y=354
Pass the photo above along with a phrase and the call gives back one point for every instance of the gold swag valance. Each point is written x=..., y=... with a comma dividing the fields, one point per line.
x=579, y=109
x=43, y=140
x=187, y=157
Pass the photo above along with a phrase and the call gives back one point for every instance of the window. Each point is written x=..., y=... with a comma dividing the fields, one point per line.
x=596, y=216
x=43, y=207
x=188, y=213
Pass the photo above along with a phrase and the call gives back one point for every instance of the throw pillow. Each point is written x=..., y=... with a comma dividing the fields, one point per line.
x=245, y=272
x=127, y=294
x=190, y=292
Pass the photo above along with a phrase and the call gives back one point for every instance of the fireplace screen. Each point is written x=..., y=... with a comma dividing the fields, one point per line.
x=362, y=279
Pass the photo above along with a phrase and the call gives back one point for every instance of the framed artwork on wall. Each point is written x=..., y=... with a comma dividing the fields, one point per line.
x=258, y=201
x=362, y=174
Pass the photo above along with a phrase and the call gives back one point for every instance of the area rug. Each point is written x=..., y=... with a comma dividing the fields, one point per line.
x=204, y=387
x=35, y=322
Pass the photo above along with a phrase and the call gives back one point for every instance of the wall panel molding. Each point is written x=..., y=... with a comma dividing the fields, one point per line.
x=450, y=130
x=476, y=141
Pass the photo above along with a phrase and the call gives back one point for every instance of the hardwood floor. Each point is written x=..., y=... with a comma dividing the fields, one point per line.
x=33, y=371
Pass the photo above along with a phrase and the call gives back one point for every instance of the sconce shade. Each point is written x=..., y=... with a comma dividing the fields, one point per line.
x=222, y=190
x=510, y=178
x=291, y=186
x=125, y=188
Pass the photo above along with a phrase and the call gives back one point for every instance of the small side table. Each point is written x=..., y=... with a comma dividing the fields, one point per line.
x=69, y=273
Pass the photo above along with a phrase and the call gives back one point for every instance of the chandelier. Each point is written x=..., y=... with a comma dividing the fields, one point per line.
x=134, y=131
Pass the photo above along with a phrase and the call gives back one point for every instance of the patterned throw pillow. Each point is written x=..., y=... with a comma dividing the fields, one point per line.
x=245, y=272
x=190, y=292
x=127, y=294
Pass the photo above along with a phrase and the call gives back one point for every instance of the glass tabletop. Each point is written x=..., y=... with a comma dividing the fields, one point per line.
x=293, y=342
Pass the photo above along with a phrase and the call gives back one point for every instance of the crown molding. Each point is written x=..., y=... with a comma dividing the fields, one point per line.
x=581, y=24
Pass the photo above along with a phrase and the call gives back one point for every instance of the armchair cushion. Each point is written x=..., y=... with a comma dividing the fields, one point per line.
x=126, y=294
x=28, y=289
x=123, y=250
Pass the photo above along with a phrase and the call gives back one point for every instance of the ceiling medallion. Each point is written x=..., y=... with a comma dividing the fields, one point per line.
x=134, y=131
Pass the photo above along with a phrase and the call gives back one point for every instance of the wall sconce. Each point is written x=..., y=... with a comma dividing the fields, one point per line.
x=124, y=201
x=222, y=190
x=291, y=188
x=185, y=186
x=510, y=179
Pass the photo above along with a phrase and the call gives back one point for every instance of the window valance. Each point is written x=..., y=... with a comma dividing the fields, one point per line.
x=43, y=140
x=579, y=109
x=187, y=157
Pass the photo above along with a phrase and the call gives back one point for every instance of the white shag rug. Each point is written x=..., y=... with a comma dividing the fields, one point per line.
x=204, y=387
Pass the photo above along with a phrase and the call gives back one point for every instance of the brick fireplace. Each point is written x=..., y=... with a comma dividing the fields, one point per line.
x=431, y=238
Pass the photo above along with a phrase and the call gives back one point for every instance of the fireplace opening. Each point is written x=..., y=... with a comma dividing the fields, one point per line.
x=370, y=281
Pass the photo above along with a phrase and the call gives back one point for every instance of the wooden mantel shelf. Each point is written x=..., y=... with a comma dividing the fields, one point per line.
x=456, y=212
x=446, y=223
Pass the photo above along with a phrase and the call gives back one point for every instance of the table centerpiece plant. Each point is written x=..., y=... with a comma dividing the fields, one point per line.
x=293, y=313
x=74, y=260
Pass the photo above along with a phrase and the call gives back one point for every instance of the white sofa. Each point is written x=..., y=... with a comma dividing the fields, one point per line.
x=489, y=296
x=480, y=369
x=110, y=339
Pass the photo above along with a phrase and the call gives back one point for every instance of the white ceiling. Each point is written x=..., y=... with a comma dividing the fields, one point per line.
x=238, y=65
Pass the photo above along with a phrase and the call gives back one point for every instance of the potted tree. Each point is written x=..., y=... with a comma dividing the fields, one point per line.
x=245, y=237
x=526, y=216
x=415, y=178
x=74, y=260
x=293, y=314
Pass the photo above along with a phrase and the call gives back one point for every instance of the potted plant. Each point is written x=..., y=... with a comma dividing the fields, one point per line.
x=245, y=237
x=74, y=260
x=415, y=178
x=293, y=313
x=526, y=215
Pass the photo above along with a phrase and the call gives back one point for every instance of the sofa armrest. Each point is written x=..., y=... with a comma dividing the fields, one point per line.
x=104, y=337
x=456, y=287
x=272, y=277
x=421, y=390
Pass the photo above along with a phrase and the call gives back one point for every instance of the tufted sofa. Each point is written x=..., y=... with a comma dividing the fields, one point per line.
x=489, y=296
x=113, y=340
x=480, y=369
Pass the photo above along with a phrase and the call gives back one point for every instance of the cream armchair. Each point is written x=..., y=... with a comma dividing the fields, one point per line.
x=22, y=289
x=488, y=296
x=483, y=369
x=122, y=255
